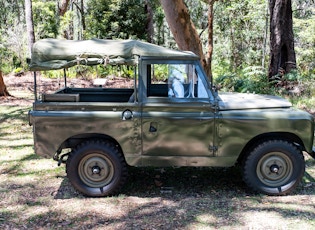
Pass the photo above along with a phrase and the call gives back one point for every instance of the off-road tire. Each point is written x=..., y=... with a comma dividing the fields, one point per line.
x=96, y=168
x=274, y=167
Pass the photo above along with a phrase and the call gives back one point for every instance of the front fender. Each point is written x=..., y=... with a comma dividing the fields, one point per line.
x=237, y=128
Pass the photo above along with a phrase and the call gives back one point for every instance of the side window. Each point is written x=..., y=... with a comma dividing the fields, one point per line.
x=178, y=81
x=175, y=81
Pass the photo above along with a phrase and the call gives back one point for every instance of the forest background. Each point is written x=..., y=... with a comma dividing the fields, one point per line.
x=240, y=36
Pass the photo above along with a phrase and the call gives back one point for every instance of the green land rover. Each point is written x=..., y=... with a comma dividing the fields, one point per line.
x=171, y=116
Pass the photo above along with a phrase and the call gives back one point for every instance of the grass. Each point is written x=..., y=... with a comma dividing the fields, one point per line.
x=35, y=194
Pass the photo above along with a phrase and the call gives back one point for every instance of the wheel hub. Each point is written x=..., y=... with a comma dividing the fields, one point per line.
x=96, y=170
x=274, y=168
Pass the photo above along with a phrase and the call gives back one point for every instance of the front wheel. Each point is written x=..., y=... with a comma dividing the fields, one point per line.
x=274, y=167
x=96, y=168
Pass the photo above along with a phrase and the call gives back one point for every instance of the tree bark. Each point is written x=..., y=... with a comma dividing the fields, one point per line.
x=149, y=24
x=63, y=7
x=183, y=29
x=282, y=54
x=3, y=89
x=29, y=25
x=83, y=15
x=208, y=57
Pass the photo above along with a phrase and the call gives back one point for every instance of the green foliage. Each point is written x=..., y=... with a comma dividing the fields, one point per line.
x=161, y=72
x=116, y=19
x=54, y=74
x=198, y=13
x=12, y=36
x=97, y=18
x=5, y=64
x=121, y=71
x=9, y=60
x=239, y=29
x=128, y=71
x=292, y=76
x=45, y=19
x=18, y=70
x=66, y=23
x=252, y=79
x=108, y=70
x=10, y=13
x=159, y=19
x=255, y=80
x=294, y=86
x=305, y=33
x=91, y=72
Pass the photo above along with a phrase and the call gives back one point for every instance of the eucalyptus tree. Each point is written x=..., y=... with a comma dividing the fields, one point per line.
x=182, y=27
x=3, y=89
x=63, y=7
x=185, y=31
x=29, y=25
x=282, y=53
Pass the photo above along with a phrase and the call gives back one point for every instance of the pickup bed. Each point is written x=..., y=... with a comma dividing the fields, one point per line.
x=181, y=121
x=89, y=95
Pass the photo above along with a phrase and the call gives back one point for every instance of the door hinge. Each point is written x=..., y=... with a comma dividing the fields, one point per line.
x=213, y=148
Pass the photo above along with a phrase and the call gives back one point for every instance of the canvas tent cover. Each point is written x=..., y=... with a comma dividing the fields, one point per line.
x=50, y=54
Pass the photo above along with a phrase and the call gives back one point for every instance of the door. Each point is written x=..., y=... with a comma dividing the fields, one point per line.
x=177, y=116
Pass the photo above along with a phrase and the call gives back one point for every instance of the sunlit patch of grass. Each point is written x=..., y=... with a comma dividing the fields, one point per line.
x=14, y=154
x=305, y=103
x=32, y=166
x=206, y=220
x=22, y=94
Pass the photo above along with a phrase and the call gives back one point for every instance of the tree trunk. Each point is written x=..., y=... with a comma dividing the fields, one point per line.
x=149, y=24
x=282, y=54
x=182, y=28
x=83, y=16
x=29, y=25
x=63, y=7
x=208, y=68
x=3, y=88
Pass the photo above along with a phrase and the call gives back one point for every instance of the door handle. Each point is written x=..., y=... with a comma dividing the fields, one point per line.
x=127, y=115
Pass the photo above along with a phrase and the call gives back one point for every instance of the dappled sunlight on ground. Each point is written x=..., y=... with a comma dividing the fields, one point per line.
x=36, y=194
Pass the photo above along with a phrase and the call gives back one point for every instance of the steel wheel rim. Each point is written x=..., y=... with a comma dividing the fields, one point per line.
x=274, y=169
x=96, y=170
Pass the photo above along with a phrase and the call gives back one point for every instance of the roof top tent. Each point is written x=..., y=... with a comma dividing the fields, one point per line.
x=54, y=54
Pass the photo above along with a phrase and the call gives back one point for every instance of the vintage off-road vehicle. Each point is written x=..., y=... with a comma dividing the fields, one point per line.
x=177, y=121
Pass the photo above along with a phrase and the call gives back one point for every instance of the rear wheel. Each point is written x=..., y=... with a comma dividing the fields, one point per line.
x=274, y=167
x=96, y=168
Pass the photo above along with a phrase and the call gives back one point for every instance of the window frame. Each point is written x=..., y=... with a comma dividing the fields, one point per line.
x=145, y=76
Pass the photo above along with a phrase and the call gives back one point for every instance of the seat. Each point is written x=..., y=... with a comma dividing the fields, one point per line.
x=178, y=89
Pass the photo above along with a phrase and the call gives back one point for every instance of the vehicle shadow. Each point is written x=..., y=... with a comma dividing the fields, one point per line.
x=184, y=182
